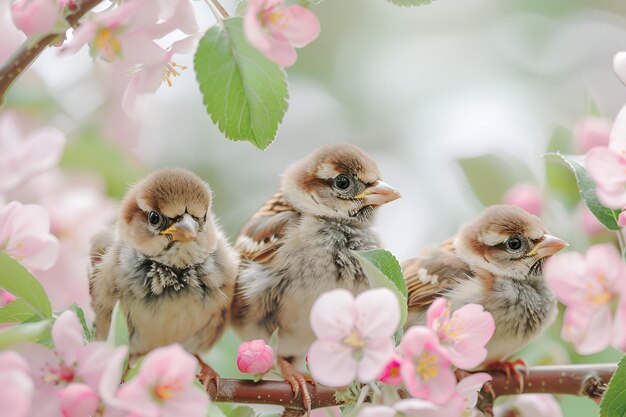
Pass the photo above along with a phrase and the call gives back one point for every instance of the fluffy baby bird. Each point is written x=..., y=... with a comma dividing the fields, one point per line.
x=495, y=260
x=298, y=245
x=169, y=265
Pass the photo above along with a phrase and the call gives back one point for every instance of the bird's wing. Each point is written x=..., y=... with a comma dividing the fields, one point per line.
x=261, y=237
x=430, y=274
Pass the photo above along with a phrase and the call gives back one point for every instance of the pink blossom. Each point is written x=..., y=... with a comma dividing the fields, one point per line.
x=589, y=286
x=592, y=132
x=23, y=156
x=525, y=196
x=354, y=336
x=529, y=405
x=621, y=219
x=78, y=210
x=25, y=235
x=426, y=365
x=72, y=360
x=163, y=387
x=590, y=223
x=16, y=386
x=78, y=400
x=38, y=17
x=469, y=387
x=276, y=30
x=464, y=334
x=255, y=357
x=10, y=35
x=6, y=298
x=607, y=166
x=391, y=372
x=326, y=412
x=413, y=407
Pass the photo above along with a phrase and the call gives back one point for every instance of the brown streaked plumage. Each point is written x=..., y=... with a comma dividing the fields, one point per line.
x=495, y=260
x=168, y=264
x=299, y=243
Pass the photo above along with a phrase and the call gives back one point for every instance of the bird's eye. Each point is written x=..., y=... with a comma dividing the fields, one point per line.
x=342, y=182
x=514, y=243
x=154, y=218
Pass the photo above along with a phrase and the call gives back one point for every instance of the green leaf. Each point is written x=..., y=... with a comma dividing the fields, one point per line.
x=383, y=270
x=614, y=399
x=118, y=332
x=245, y=93
x=558, y=177
x=241, y=8
x=16, y=311
x=216, y=410
x=242, y=411
x=587, y=189
x=490, y=176
x=25, y=332
x=15, y=279
x=83, y=322
x=409, y=3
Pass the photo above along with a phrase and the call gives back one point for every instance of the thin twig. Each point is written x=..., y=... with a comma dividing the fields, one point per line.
x=218, y=10
x=30, y=50
x=584, y=380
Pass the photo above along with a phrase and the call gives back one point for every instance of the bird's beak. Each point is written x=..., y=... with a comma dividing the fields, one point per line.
x=378, y=194
x=548, y=246
x=184, y=230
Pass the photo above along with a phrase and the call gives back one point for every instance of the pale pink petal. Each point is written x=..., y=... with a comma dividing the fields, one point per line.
x=375, y=411
x=436, y=312
x=169, y=362
x=469, y=387
x=333, y=315
x=35, y=17
x=606, y=262
x=93, y=360
x=281, y=52
x=564, y=275
x=16, y=393
x=415, y=386
x=253, y=27
x=391, y=372
x=332, y=364
x=326, y=412
x=592, y=132
x=43, y=362
x=379, y=313
x=442, y=385
x=413, y=407
x=619, y=328
x=135, y=397
x=476, y=328
x=525, y=196
x=618, y=133
x=589, y=331
x=608, y=170
x=192, y=402
x=179, y=15
x=301, y=26
x=12, y=361
x=112, y=376
x=537, y=405
x=81, y=36
x=67, y=334
x=78, y=400
x=376, y=354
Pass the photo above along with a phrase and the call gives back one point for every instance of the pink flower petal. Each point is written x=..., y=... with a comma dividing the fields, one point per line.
x=16, y=393
x=618, y=134
x=377, y=411
x=589, y=331
x=67, y=334
x=379, y=312
x=332, y=364
x=437, y=311
x=619, y=66
x=112, y=376
x=619, y=328
x=413, y=407
x=469, y=387
x=376, y=354
x=608, y=170
x=525, y=196
x=563, y=276
x=333, y=315
x=605, y=262
x=302, y=26
x=78, y=400
x=592, y=132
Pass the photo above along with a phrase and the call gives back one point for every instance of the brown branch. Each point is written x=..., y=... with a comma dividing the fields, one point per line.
x=587, y=380
x=31, y=49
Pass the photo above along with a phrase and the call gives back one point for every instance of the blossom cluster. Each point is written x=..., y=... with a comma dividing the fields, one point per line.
x=355, y=343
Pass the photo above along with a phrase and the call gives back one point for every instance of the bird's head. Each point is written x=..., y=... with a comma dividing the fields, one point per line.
x=167, y=217
x=507, y=241
x=337, y=181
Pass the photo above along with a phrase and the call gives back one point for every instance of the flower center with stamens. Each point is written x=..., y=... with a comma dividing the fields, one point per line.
x=354, y=340
x=57, y=374
x=426, y=366
x=107, y=44
x=164, y=391
x=597, y=293
x=170, y=71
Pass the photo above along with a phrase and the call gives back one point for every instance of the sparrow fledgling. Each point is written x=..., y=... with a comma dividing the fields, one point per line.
x=495, y=260
x=169, y=265
x=298, y=245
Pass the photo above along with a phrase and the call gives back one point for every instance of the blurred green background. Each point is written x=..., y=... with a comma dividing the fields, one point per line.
x=419, y=89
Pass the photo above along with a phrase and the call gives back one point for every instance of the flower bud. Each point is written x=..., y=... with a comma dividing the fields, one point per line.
x=255, y=357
